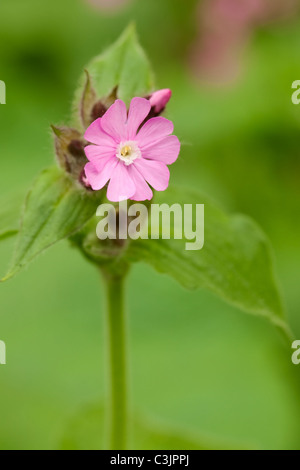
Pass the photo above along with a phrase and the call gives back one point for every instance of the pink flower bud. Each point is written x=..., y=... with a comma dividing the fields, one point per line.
x=159, y=99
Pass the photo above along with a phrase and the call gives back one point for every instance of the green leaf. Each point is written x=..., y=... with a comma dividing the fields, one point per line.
x=55, y=209
x=10, y=209
x=235, y=263
x=124, y=66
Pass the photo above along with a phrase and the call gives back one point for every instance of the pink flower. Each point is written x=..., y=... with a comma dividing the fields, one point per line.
x=128, y=155
x=159, y=99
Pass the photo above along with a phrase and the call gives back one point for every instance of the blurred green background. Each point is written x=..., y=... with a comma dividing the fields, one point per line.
x=197, y=365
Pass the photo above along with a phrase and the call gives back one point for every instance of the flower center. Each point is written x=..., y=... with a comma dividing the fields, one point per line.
x=128, y=152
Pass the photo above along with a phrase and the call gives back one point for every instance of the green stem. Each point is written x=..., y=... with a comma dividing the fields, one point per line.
x=117, y=361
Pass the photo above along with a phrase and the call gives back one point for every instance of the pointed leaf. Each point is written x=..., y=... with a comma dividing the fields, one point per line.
x=10, y=210
x=235, y=263
x=55, y=209
x=124, y=66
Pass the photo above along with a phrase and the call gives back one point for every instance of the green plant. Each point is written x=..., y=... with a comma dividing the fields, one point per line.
x=236, y=263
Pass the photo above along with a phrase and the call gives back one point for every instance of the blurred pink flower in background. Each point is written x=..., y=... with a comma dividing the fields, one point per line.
x=224, y=28
x=108, y=5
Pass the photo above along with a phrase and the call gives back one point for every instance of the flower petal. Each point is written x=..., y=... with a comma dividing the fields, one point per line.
x=156, y=173
x=121, y=185
x=143, y=191
x=154, y=130
x=139, y=110
x=114, y=121
x=165, y=150
x=96, y=135
x=95, y=153
x=98, y=178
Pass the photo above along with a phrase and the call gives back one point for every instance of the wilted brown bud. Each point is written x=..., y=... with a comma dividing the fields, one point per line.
x=69, y=147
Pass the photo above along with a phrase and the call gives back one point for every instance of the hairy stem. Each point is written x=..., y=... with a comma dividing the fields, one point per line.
x=117, y=361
